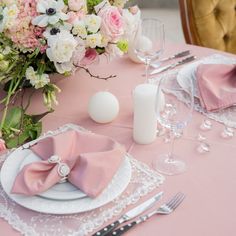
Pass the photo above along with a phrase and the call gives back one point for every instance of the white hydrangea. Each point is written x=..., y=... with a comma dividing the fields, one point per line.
x=51, y=12
x=93, y=40
x=93, y=23
x=79, y=29
x=36, y=80
x=61, y=47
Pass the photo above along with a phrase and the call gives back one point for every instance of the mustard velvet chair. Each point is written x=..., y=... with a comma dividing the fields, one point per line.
x=209, y=23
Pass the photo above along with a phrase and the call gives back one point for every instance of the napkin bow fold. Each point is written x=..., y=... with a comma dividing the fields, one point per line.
x=88, y=160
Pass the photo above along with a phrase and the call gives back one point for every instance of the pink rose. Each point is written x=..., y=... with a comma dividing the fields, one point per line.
x=90, y=57
x=112, y=22
x=76, y=5
x=2, y=145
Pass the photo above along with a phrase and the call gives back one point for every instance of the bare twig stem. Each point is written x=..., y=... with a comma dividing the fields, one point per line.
x=95, y=76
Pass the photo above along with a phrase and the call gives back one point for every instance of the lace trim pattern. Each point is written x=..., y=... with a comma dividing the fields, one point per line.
x=143, y=181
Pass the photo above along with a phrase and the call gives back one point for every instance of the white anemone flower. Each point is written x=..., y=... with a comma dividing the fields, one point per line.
x=51, y=13
x=56, y=29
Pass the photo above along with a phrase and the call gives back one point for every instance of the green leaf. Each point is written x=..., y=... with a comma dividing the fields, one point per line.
x=28, y=130
x=38, y=117
x=18, y=140
x=28, y=133
x=100, y=50
x=13, y=118
x=91, y=4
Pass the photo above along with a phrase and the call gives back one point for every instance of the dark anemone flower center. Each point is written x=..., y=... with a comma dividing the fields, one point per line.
x=54, y=31
x=51, y=11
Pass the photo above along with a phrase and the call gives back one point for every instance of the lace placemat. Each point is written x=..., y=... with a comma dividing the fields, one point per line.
x=226, y=116
x=143, y=181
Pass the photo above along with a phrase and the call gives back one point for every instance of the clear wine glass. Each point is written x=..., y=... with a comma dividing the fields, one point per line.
x=149, y=42
x=174, y=108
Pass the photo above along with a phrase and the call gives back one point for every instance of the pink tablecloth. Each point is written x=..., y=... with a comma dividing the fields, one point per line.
x=210, y=181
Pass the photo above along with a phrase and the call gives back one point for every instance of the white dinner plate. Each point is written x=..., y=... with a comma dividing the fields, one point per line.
x=11, y=167
x=63, y=191
x=188, y=72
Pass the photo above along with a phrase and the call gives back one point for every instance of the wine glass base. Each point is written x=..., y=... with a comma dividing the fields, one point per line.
x=168, y=166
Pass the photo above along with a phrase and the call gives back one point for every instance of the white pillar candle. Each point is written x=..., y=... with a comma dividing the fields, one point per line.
x=145, y=121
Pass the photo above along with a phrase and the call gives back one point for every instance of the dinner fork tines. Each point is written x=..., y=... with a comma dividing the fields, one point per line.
x=164, y=209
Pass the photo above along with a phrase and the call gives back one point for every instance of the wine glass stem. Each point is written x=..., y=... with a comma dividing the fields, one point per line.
x=147, y=64
x=172, y=138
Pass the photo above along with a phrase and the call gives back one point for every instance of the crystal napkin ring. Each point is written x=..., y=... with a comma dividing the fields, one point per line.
x=63, y=169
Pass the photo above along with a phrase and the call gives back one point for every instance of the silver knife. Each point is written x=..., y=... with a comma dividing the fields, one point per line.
x=130, y=215
x=173, y=65
x=177, y=55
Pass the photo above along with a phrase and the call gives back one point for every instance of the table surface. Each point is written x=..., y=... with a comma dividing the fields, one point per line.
x=210, y=180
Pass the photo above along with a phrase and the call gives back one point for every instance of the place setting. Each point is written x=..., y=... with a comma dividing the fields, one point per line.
x=44, y=176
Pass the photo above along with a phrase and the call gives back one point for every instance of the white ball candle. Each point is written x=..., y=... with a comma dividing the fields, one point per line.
x=145, y=121
x=103, y=107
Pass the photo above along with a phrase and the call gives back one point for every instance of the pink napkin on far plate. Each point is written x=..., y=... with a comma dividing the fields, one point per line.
x=93, y=160
x=217, y=86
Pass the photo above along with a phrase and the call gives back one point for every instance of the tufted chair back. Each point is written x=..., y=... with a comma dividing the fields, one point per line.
x=210, y=23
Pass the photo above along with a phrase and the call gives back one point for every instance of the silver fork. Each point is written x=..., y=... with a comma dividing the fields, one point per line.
x=164, y=209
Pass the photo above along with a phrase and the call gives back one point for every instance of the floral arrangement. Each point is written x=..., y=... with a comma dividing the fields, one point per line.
x=41, y=37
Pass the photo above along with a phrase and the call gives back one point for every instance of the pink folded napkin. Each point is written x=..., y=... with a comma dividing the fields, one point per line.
x=217, y=86
x=90, y=161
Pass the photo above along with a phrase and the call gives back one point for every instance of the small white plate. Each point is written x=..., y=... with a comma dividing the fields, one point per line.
x=63, y=191
x=11, y=167
x=188, y=72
